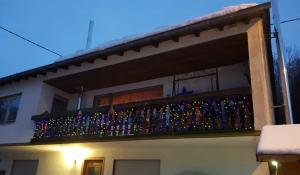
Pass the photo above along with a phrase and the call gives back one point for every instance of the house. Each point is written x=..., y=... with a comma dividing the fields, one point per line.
x=186, y=100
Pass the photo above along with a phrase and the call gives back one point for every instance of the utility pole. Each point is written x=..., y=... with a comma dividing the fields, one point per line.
x=282, y=65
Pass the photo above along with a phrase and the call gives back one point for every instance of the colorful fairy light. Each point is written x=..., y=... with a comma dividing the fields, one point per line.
x=229, y=113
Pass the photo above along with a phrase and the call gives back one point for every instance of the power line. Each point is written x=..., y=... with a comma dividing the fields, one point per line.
x=49, y=50
x=290, y=20
x=32, y=42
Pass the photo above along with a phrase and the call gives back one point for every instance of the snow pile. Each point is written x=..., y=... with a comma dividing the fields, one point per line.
x=222, y=12
x=279, y=139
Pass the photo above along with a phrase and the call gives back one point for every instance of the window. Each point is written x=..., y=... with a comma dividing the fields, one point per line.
x=21, y=167
x=59, y=105
x=93, y=167
x=136, y=95
x=9, y=108
x=136, y=167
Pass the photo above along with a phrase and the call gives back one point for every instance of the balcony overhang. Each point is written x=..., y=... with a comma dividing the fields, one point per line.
x=220, y=52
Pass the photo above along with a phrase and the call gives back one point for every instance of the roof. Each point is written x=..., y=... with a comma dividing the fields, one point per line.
x=194, y=26
x=222, y=12
x=279, y=140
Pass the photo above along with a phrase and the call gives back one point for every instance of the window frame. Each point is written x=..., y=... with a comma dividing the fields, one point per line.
x=112, y=95
x=61, y=99
x=10, y=97
x=115, y=160
x=93, y=159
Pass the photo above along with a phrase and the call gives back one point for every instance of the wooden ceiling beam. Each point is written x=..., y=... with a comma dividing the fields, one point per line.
x=77, y=64
x=18, y=79
x=43, y=73
x=220, y=28
x=246, y=21
x=104, y=57
x=91, y=60
x=175, y=39
x=137, y=49
x=121, y=53
x=54, y=70
x=66, y=67
x=155, y=44
x=196, y=34
x=33, y=75
x=22, y=78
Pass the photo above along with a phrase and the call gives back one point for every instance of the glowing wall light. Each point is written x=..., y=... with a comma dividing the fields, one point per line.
x=74, y=156
x=274, y=163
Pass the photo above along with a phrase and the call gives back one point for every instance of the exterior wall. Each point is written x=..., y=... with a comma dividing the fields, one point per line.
x=186, y=159
x=22, y=129
x=47, y=96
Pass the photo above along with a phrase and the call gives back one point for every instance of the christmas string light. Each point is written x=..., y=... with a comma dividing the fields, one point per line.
x=229, y=113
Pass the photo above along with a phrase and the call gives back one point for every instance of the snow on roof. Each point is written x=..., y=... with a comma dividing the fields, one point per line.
x=222, y=12
x=280, y=139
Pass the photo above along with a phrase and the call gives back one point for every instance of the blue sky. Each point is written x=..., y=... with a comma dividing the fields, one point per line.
x=62, y=25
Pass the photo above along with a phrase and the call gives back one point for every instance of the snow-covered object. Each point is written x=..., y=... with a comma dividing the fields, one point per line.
x=279, y=140
x=222, y=12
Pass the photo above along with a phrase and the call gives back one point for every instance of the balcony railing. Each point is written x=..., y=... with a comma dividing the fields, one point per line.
x=222, y=111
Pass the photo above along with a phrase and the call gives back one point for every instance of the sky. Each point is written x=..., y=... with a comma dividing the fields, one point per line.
x=62, y=25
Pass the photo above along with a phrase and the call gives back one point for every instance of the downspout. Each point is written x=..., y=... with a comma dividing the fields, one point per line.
x=80, y=98
x=282, y=66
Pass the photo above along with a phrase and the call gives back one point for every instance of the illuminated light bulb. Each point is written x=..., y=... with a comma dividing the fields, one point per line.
x=274, y=163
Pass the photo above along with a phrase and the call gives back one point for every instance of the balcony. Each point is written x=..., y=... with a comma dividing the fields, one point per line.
x=228, y=111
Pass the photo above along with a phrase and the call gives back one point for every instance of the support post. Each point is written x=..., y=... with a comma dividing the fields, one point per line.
x=260, y=78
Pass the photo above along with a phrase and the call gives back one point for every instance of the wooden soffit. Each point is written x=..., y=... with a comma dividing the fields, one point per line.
x=220, y=52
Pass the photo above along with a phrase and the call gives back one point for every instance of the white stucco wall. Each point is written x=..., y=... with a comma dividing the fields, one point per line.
x=22, y=129
x=47, y=96
x=177, y=157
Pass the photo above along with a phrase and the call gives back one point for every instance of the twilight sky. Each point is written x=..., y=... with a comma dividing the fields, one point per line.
x=62, y=25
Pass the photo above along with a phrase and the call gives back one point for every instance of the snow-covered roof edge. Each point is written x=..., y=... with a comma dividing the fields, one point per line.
x=279, y=140
x=224, y=11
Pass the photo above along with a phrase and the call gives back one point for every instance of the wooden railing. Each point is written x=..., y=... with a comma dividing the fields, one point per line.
x=222, y=111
